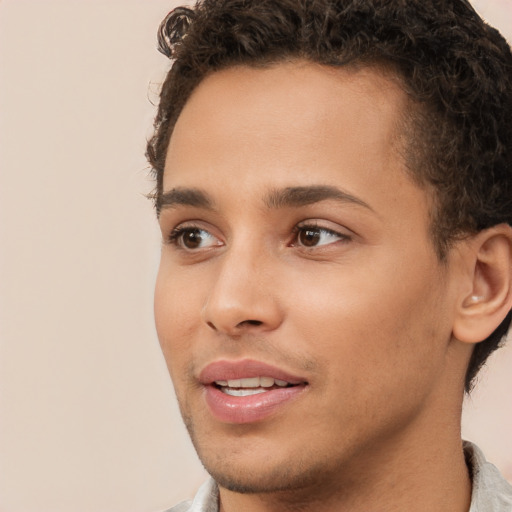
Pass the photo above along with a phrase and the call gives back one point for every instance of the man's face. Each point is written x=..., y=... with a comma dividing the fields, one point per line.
x=297, y=250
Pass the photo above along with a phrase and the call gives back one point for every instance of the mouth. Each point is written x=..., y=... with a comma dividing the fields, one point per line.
x=251, y=386
x=248, y=391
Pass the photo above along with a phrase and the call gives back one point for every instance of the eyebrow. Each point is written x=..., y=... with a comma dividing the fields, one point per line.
x=302, y=196
x=184, y=197
x=289, y=197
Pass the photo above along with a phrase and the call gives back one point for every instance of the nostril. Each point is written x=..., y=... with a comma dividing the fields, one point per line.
x=250, y=322
x=240, y=325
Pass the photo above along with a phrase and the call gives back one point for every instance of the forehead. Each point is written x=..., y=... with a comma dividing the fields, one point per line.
x=243, y=109
x=290, y=124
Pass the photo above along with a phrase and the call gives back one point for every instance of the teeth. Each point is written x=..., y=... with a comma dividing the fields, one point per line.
x=266, y=382
x=243, y=392
x=247, y=383
x=253, y=382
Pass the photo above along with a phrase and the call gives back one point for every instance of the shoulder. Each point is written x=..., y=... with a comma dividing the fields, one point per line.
x=491, y=492
x=206, y=500
x=184, y=506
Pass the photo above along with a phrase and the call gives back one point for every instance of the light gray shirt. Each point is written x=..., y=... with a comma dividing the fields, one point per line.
x=491, y=492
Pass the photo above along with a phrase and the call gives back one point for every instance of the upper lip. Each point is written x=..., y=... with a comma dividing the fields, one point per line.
x=246, y=368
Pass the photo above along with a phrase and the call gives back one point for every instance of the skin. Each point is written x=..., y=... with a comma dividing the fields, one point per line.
x=366, y=315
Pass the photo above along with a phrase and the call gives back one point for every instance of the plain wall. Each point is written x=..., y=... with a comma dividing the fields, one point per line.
x=87, y=414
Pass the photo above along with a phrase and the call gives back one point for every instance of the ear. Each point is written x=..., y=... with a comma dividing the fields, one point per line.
x=487, y=296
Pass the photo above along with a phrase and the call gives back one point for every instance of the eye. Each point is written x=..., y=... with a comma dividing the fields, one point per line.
x=315, y=236
x=192, y=238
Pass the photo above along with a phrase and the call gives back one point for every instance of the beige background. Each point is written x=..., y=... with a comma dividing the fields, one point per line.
x=87, y=414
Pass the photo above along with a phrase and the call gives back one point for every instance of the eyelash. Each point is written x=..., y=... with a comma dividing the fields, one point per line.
x=177, y=232
x=175, y=239
x=312, y=226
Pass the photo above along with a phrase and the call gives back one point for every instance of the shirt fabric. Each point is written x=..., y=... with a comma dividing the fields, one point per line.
x=491, y=492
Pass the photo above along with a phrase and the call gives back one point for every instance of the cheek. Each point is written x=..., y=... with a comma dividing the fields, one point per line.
x=176, y=307
x=375, y=345
x=365, y=324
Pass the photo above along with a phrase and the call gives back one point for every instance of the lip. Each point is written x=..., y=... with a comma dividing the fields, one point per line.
x=245, y=368
x=252, y=408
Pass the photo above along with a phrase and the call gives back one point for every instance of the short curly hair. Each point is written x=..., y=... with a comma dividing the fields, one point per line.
x=455, y=69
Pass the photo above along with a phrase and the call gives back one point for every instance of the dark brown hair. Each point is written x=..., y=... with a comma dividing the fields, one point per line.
x=456, y=70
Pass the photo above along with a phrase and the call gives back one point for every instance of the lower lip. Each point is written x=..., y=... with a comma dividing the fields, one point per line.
x=249, y=409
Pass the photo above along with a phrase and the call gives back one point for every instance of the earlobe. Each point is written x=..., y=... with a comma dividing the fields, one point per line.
x=482, y=310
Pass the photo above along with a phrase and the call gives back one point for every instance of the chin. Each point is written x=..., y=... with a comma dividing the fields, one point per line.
x=259, y=479
x=248, y=460
x=257, y=470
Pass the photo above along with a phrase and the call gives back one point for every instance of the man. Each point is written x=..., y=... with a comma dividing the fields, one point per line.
x=333, y=190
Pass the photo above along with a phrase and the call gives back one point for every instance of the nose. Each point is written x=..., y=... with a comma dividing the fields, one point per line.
x=243, y=297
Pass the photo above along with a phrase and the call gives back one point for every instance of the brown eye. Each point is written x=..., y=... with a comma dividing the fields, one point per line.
x=309, y=237
x=192, y=238
x=317, y=236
